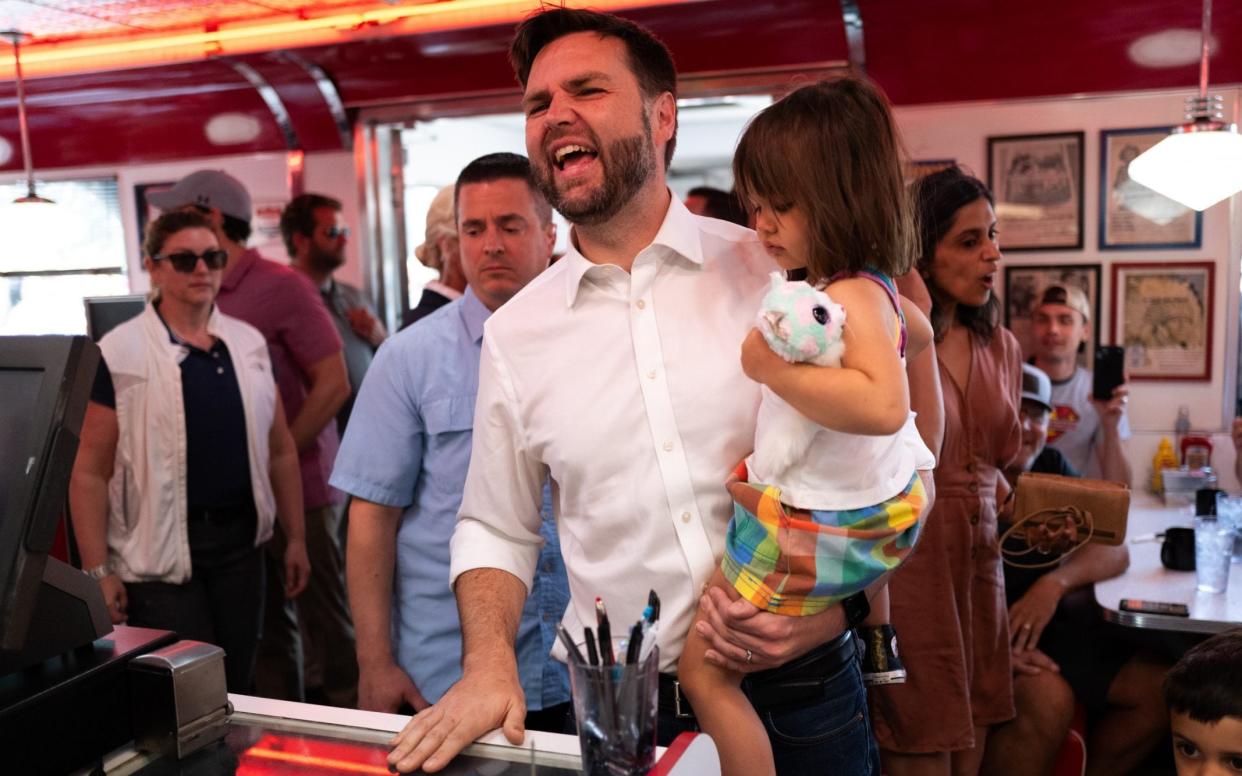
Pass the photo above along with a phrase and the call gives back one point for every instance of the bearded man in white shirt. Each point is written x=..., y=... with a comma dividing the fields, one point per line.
x=617, y=374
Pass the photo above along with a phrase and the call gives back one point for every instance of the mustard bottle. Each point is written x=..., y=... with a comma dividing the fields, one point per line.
x=1164, y=458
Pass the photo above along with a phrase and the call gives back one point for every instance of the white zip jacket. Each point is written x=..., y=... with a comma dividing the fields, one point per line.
x=147, y=536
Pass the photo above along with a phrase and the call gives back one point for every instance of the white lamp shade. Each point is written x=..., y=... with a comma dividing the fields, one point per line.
x=1197, y=169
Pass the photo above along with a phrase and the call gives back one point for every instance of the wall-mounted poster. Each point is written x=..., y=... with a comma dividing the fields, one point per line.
x=144, y=211
x=1132, y=216
x=1024, y=286
x=1037, y=183
x=921, y=168
x=1162, y=314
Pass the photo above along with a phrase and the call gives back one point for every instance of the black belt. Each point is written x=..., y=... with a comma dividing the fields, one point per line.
x=800, y=682
x=219, y=515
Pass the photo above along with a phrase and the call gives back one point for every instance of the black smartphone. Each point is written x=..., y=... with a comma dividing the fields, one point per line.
x=1154, y=607
x=1110, y=371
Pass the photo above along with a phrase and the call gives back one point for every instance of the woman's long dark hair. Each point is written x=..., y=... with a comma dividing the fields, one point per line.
x=937, y=198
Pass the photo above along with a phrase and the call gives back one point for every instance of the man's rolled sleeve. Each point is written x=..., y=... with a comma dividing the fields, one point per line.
x=498, y=524
x=381, y=455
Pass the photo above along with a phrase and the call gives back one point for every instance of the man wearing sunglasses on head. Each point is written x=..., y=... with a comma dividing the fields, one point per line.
x=315, y=235
x=310, y=373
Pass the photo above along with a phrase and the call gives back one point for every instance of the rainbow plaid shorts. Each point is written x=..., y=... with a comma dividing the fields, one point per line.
x=799, y=562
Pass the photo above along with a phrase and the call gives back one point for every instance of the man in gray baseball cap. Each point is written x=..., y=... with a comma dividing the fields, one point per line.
x=308, y=362
x=206, y=189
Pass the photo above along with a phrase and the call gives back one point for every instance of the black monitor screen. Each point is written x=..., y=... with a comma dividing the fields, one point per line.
x=20, y=389
x=44, y=386
x=105, y=313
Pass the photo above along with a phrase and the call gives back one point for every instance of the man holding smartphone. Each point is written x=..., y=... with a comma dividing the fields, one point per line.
x=1088, y=432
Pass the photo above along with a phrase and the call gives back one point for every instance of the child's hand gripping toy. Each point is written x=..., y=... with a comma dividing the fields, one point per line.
x=802, y=325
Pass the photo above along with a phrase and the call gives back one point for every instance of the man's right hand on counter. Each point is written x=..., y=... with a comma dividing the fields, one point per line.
x=485, y=699
x=384, y=688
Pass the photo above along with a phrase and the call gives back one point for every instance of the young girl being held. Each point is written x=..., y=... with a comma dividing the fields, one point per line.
x=822, y=172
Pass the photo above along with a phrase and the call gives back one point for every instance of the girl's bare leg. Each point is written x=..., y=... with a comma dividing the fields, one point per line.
x=722, y=709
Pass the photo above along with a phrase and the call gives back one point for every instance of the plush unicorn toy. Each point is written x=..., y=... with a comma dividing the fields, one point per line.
x=801, y=324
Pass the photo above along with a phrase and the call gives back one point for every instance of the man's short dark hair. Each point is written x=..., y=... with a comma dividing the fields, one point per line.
x=499, y=166
x=649, y=59
x=725, y=205
x=1206, y=684
x=235, y=229
x=298, y=217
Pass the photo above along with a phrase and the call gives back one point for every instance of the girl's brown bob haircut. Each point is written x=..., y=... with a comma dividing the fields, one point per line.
x=831, y=149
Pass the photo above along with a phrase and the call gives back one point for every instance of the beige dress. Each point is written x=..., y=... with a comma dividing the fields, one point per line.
x=948, y=598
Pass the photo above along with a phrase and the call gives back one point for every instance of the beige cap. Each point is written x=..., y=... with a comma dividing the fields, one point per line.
x=1070, y=296
x=441, y=222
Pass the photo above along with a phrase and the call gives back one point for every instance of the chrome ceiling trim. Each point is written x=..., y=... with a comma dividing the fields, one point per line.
x=327, y=90
x=270, y=98
x=852, y=17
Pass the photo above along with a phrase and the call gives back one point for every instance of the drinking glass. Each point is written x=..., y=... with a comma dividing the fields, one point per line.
x=1213, y=548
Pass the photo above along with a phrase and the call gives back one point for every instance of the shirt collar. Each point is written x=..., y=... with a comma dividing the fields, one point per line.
x=473, y=314
x=243, y=265
x=679, y=233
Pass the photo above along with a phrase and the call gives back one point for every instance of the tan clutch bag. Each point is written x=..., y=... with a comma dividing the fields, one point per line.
x=1056, y=515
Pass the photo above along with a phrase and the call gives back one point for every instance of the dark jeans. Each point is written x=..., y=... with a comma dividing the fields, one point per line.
x=222, y=604
x=832, y=736
x=322, y=609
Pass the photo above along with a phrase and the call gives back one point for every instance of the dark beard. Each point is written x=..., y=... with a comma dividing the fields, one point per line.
x=628, y=164
x=325, y=261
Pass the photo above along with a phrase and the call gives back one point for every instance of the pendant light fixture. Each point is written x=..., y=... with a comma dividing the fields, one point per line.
x=16, y=38
x=1200, y=162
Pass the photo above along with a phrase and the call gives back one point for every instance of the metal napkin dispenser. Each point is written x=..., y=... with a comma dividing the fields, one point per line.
x=178, y=698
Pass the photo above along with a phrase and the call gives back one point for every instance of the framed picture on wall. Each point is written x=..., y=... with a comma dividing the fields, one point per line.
x=143, y=211
x=1132, y=216
x=1037, y=183
x=1024, y=286
x=1162, y=314
x=921, y=168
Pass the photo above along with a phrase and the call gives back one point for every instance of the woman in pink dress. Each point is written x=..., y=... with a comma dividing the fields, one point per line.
x=948, y=599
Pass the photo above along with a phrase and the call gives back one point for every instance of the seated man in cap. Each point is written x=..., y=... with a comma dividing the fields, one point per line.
x=310, y=373
x=1087, y=432
x=1062, y=651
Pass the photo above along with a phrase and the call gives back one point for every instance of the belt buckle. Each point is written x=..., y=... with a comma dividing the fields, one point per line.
x=677, y=712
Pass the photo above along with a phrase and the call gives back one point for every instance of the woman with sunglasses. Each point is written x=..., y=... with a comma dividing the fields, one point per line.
x=186, y=460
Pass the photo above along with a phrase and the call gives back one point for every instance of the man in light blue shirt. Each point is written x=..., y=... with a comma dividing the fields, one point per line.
x=404, y=460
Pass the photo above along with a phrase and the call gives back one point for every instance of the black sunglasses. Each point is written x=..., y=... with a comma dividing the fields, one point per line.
x=333, y=232
x=186, y=261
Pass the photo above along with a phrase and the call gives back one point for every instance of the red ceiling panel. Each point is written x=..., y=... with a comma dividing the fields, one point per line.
x=959, y=50
x=921, y=52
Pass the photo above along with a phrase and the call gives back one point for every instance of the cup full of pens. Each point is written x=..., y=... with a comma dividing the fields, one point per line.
x=615, y=683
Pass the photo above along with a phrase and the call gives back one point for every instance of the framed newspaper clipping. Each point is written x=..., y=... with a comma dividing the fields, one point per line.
x=1037, y=183
x=1132, y=216
x=1162, y=314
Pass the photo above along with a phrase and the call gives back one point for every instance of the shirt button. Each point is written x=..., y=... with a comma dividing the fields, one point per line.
x=219, y=370
x=640, y=304
x=974, y=519
x=668, y=447
x=973, y=487
x=685, y=517
x=651, y=375
x=970, y=467
x=974, y=551
x=216, y=354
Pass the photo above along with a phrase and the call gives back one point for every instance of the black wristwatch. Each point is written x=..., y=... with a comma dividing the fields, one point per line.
x=856, y=607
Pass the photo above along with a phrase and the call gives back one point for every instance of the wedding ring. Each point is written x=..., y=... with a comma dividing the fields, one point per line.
x=749, y=656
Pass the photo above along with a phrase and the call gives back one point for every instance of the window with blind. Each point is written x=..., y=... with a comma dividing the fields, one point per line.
x=53, y=256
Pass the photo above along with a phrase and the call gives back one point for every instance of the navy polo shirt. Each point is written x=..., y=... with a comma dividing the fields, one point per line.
x=217, y=453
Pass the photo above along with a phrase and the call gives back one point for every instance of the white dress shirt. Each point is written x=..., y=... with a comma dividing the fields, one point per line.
x=627, y=389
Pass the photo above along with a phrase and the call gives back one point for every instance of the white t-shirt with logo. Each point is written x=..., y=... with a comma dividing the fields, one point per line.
x=1075, y=425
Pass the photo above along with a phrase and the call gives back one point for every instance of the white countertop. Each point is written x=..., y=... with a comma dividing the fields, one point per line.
x=1148, y=580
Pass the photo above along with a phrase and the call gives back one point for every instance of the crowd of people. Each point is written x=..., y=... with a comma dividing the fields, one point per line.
x=397, y=523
